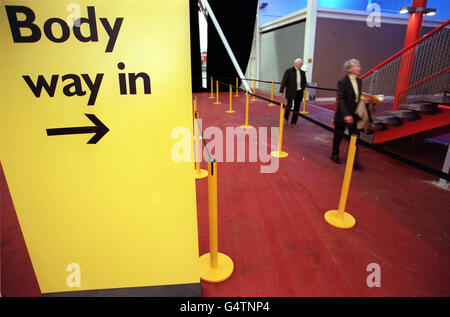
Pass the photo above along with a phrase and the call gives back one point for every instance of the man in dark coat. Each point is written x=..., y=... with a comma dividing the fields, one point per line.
x=294, y=80
x=348, y=97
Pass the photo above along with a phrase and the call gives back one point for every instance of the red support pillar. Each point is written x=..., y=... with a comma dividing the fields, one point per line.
x=407, y=63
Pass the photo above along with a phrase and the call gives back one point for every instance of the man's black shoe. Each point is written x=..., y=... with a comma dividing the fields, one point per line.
x=357, y=166
x=335, y=159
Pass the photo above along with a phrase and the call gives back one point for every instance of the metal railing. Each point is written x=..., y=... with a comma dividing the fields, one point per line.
x=420, y=69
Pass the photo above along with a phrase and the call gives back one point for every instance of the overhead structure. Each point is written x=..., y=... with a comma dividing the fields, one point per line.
x=225, y=43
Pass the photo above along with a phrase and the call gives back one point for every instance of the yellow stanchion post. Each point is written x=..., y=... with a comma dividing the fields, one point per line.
x=254, y=91
x=199, y=173
x=304, y=102
x=279, y=153
x=237, y=87
x=339, y=218
x=217, y=93
x=271, y=104
x=231, y=101
x=246, y=126
x=195, y=104
x=212, y=89
x=196, y=113
x=215, y=267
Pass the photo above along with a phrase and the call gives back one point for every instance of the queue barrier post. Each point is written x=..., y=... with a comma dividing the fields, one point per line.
x=212, y=89
x=195, y=105
x=215, y=267
x=279, y=153
x=231, y=101
x=271, y=104
x=217, y=93
x=339, y=218
x=196, y=115
x=254, y=91
x=246, y=126
x=237, y=88
x=304, y=102
x=199, y=173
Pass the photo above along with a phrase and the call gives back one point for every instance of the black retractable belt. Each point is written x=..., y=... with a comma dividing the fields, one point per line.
x=378, y=149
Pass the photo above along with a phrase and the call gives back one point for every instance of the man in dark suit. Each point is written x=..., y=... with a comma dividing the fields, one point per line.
x=294, y=80
x=348, y=97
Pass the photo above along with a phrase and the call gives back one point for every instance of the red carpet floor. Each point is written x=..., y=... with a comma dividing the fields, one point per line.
x=272, y=225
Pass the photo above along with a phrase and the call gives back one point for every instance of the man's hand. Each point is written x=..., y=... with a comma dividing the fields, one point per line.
x=280, y=94
x=348, y=119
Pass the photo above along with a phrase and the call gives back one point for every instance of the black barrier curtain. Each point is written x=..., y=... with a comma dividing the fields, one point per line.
x=237, y=20
x=196, y=69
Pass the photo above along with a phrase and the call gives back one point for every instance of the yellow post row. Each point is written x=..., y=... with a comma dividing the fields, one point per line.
x=87, y=122
x=339, y=218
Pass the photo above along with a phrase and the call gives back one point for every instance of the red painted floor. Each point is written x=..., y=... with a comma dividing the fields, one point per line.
x=16, y=274
x=272, y=225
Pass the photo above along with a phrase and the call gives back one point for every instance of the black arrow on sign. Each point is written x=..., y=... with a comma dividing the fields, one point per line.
x=99, y=129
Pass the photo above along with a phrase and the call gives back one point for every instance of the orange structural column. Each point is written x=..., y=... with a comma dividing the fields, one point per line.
x=407, y=63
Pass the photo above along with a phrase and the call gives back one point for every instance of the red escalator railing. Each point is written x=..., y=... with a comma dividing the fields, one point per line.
x=420, y=69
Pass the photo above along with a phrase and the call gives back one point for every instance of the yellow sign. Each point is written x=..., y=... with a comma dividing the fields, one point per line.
x=91, y=92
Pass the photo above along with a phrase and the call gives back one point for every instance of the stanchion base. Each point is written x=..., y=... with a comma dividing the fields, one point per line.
x=217, y=103
x=304, y=112
x=271, y=104
x=212, y=97
x=339, y=220
x=245, y=127
x=236, y=95
x=219, y=274
x=202, y=174
x=442, y=183
x=279, y=154
x=253, y=99
x=231, y=111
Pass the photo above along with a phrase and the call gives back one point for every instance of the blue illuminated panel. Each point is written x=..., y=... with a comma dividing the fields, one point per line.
x=277, y=8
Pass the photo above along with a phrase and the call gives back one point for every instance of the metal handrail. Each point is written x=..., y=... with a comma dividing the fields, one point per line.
x=443, y=25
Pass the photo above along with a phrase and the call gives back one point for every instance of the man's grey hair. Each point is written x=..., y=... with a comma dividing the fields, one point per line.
x=298, y=60
x=348, y=65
